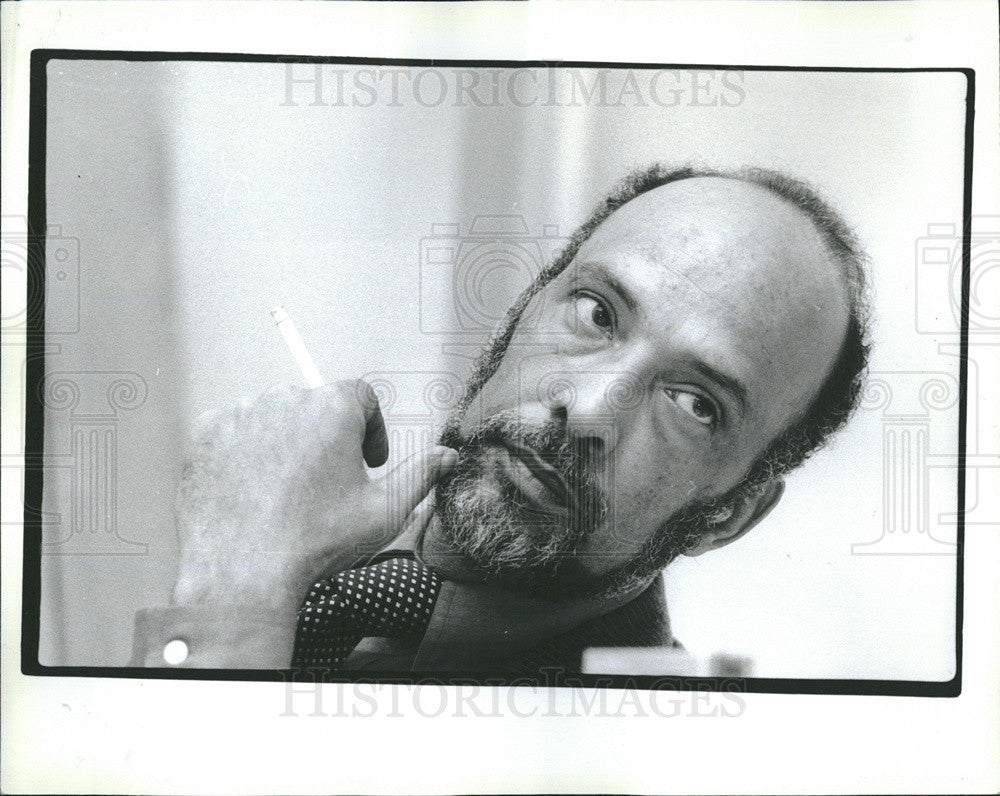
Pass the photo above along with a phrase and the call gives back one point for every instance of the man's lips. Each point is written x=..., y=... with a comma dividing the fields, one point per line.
x=543, y=472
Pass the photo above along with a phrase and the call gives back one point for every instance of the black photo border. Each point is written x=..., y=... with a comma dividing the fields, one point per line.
x=34, y=412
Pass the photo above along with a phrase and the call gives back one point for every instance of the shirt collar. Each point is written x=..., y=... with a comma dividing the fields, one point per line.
x=475, y=617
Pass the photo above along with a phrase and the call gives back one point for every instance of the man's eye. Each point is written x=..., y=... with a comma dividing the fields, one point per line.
x=593, y=314
x=699, y=407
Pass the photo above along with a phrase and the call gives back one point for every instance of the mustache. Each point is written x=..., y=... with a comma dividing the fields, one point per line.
x=577, y=461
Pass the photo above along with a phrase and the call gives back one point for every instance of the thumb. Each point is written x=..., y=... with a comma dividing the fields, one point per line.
x=411, y=480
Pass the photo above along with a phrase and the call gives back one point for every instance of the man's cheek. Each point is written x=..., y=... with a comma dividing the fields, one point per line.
x=632, y=510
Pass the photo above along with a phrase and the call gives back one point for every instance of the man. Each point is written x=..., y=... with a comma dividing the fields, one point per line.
x=700, y=336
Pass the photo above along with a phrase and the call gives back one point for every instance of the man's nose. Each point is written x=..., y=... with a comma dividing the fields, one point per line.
x=591, y=405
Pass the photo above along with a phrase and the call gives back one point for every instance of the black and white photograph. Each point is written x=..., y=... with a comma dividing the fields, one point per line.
x=495, y=369
x=582, y=383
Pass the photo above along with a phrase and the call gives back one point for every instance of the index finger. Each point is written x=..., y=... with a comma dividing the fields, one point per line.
x=375, y=446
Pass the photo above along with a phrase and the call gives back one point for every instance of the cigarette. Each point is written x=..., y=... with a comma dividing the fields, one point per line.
x=294, y=342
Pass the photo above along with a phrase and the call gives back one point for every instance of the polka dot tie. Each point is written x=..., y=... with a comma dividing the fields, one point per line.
x=394, y=598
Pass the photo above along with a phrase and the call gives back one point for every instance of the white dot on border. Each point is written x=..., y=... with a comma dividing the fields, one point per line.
x=175, y=652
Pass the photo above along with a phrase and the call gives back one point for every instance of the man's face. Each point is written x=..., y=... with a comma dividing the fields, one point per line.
x=692, y=328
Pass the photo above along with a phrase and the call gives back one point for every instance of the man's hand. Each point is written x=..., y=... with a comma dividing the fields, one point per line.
x=275, y=494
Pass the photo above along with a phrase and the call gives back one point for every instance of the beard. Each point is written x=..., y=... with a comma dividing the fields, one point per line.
x=488, y=521
x=511, y=541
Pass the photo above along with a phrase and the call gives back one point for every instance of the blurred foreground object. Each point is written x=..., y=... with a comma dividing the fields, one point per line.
x=664, y=661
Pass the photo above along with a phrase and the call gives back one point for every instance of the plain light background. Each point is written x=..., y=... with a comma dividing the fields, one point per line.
x=199, y=201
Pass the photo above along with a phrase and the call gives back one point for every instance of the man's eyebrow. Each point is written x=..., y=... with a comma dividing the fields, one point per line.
x=612, y=282
x=732, y=385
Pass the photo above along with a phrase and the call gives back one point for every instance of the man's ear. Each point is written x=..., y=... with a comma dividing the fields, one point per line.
x=746, y=514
